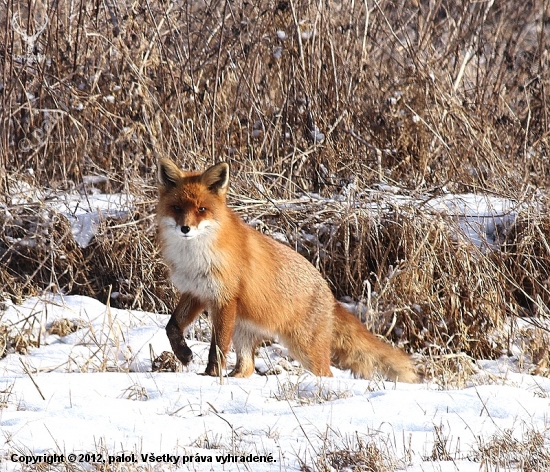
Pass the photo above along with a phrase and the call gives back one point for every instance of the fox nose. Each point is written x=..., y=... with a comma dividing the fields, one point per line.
x=185, y=229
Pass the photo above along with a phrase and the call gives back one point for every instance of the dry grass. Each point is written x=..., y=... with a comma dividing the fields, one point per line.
x=300, y=97
x=165, y=362
x=304, y=391
x=357, y=453
x=506, y=451
x=63, y=327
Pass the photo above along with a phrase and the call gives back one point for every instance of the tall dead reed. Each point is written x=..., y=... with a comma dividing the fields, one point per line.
x=300, y=97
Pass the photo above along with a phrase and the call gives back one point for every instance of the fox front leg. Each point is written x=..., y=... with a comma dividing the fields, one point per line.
x=186, y=312
x=223, y=325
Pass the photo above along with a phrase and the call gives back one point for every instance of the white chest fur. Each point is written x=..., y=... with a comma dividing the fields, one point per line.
x=193, y=261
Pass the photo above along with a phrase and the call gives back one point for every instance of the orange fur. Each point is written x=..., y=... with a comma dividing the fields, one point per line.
x=254, y=287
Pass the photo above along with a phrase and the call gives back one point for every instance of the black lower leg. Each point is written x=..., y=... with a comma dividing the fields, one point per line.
x=177, y=341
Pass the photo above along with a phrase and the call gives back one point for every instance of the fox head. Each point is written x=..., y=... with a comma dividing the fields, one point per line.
x=190, y=203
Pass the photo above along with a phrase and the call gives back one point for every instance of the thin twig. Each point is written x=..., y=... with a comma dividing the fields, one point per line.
x=28, y=372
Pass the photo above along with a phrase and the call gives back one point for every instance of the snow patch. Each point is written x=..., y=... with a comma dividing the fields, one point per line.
x=100, y=395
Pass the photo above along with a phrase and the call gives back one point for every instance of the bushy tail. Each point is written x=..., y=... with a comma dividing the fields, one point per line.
x=356, y=348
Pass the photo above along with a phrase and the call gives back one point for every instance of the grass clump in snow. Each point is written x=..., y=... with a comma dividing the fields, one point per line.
x=355, y=453
x=165, y=362
x=64, y=327
x=306, y=390
x=505, y=451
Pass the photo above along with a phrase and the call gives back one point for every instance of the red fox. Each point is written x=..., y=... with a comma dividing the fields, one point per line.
x=254, y=288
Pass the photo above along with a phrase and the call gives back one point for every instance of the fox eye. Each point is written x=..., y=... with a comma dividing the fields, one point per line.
x=176, y=208
x=202, y=209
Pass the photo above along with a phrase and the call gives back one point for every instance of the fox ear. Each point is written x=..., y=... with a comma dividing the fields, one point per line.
x=168, y=173
x=216, y=178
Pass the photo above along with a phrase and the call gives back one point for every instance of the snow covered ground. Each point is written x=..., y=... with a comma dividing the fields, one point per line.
x=92, y=394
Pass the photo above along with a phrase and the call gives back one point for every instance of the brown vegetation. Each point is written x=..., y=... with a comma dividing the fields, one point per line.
x=299, y=97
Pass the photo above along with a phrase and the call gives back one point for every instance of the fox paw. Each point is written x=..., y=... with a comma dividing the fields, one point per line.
x=184, y=354
x=212, y=369
x=240, y=374
x=242, y=370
